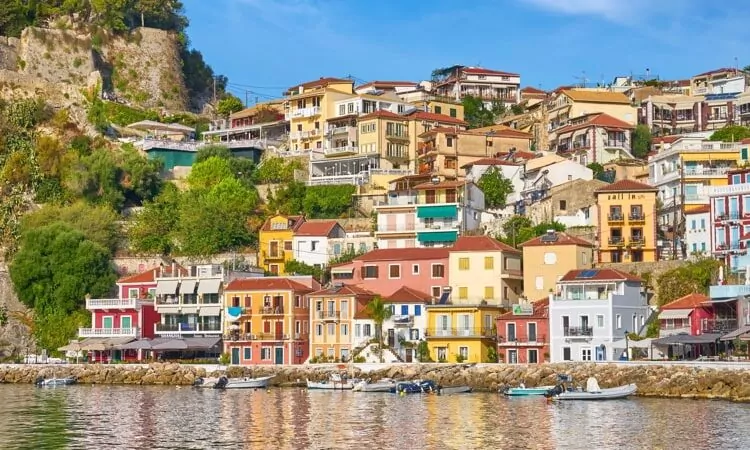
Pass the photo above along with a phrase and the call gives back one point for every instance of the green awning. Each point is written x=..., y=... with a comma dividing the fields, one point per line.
x=438, y=211
x=438, y=236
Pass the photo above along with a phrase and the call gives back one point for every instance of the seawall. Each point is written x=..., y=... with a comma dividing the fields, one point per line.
x=653, y=380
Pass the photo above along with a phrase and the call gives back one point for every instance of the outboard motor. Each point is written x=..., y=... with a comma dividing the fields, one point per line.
x=39, y=381
x=557, y=390
x=221, y=383
x=198, y=381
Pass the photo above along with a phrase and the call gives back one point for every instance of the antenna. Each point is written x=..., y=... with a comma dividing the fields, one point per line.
x=582, y=78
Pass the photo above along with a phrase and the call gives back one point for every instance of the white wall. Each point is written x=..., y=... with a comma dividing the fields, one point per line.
x=697, y=228
x=311, y=250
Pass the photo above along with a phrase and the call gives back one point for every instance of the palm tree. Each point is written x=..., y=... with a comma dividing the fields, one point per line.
x=379, y=312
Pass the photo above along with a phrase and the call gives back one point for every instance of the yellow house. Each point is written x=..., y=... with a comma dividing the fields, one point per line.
x=267, y=321
x=548, y=258
x=275, y=246
x=568, y=104
x=461, y=333
x=332, y=315
x=627, y=222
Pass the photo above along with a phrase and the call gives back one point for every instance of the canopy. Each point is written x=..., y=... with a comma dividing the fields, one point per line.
x=73, y=346
x=166, y=287
x=675, y=314
x=736, y=333
x=677, y=339
x=140, y=344
x=347, y=270
x=643, y=343
x=188, y=286
x=209, y=286
x=150, y=125
x=193, y=343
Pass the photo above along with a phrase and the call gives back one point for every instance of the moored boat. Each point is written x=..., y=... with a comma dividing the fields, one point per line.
x=384, y=385
x=523, y=391
x=335, y=382
x=232, y=383
x=592, y=391
x=53, y=382
x=428, y=387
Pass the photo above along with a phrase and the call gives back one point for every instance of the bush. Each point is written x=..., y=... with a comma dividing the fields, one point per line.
x=224, y=359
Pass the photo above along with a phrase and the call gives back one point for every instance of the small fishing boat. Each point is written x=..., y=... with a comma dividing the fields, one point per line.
x=523, y=391
x=384, y=385
x=450, y=390
x=335, y=382
x=54, y=382
x=427, y=387
x=233, y=383
x=592, y=392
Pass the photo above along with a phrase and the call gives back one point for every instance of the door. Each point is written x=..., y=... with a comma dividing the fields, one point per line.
x=512, y=357
x=409, y=355
x=235, y=356
x=601, y=353
x=279, y=355
x=511, y=332
x=107, y=322
x=279, y=330
x=273, y=250
x=126, y=322
x=532, y=332
x=391, y=338
x=565, y=325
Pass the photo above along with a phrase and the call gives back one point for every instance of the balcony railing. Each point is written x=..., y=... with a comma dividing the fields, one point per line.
x=719, y=325
x=329, y=315
x=636, y=217
x=277, y=255
x=483, y=332
x=522, y=340
x=396, y=228
x=616, y=240
x=302, y=112
x=294, y=135
x=111, y=303
x=403, y=320
x=616, y=143
x=186, y=328
x=578, y=331
x=393, y=134
x=340, y=130
x=345, y=150
x=636, y=240
x=108, y=332
x=616, y=217
x=271, y=310
x=707, y=171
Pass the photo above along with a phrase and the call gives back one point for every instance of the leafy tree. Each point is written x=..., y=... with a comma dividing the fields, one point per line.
x=731, y=133
x=476, y=114
x=277, y=170
x=641, y=141
x=289, y=199
x=496, y=188
x=379, y=312
x=301, y=268
x=210, y=151
x=345, y=257
x=517, y=109
x=228, y=105
x=209, y=173
x=242, y=168
x=140, y=177
x=695, y=276
x=329, y=201
x=596, y=168
x=151, y=230
x=518, y=229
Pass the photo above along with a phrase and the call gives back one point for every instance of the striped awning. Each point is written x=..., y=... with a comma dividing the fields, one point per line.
x=675, y=314
x=209, y=286
x=166, y=287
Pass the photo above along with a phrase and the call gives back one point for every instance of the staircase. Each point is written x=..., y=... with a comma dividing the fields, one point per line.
x=371, y=355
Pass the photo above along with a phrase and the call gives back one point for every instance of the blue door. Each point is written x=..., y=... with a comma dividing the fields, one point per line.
x=601, y=353
x=279, y=355
x=235, y=356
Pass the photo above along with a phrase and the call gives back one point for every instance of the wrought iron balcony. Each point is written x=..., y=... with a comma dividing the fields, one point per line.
x=578, y=332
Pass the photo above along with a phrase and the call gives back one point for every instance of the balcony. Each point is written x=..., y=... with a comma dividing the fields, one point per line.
x=271, y=310
x=340, y=130
x=707, y=171
x=332, y=316
x=637, y=217
x=356, y=179
x=302, y=112
x=397, y=135
x=616, y=241
x=616, y=143
x=186, y=328
x=584, y=332
x=403, y=320
x=297, y=135
x=728, y=291
x=426, y=149
x=108, y=332
x=346, y=150
x=720, y=325
x=483, y=333
x=720, y=116
x=617, y=217
x=520, y=341
x=111, y=303
x=274, y=256
x=397, y=229
x=636, y=241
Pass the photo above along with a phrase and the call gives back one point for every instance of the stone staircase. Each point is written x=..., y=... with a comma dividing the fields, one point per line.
x=371, y=354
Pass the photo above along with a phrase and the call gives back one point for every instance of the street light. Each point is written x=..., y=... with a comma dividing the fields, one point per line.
x=627, y=351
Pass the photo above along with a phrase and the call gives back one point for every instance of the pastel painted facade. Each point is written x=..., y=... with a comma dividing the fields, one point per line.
x=685, y=315
x=729, y=222
x=591, y=312
x=544, y=173
x=549, y=257
x=485, y=84
x=523, y=333
x=698, y=231
x=572, y=204
x=276, y=242
x=267, y=321
x=461, y=333
x=567, y=104
x=311, y=241
x=672, y=114
x=385, y=271
x=408, y=323
x=332, y=321
x=627, y=222
x=352, y=242
x=594, y=138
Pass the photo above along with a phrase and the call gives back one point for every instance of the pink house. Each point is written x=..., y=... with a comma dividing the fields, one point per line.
x=384, y=271
x=685, y=315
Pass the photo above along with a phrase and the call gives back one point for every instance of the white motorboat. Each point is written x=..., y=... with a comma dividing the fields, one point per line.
x=54, y=382
x=593, y=392
x=233, y=383
x=334, y=382
x=384, y=385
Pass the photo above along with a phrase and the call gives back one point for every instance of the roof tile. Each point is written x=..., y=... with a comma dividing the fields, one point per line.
x=596, y=96
x=541, y=311
x=627, y=186
x=345, y=290
x=265, y=284
x=481, y=244
x=407, y=295
x=562, y=239
x=442, y=118
x=605, y=274
x=149, y=276
x=693, y=300
x=320, y=228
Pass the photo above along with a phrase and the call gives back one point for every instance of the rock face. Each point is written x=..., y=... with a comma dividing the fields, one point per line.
x=652, y=381
x=14, y=335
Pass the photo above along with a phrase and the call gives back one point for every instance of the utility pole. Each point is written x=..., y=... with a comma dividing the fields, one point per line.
x=214, y=92
x=246, y=98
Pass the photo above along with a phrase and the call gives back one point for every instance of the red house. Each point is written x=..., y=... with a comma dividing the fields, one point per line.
x=523, y=333
x=685, y=315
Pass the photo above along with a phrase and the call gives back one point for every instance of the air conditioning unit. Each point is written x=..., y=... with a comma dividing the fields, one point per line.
x=286, y=337
x=447, y=289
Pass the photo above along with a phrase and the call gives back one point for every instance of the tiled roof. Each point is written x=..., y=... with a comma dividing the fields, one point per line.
x=597, y=96
x=693, y=300
x=532, y=90
x=442, y=118
x=377, y=84
x=490, y=162
x=323, y=81
x=317, y=228
x=383, y=113
x=446, y=184
x=599, y=275
x=345, y=290
x=562, y=239
x=597, y=119
x=265, y=284
x=483, y=71
x=627, y=186
x=362, y=314
x=523, y=155
x=701, y=209
x=407, y=295
x=296, y=222
x=745, y=141
x=481, y=244
x=541, y=311
x=149, y=276
x=665, y=139
x=404, y=254
x=715, y=71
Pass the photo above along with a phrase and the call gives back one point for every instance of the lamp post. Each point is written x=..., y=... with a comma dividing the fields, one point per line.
x=627, y=350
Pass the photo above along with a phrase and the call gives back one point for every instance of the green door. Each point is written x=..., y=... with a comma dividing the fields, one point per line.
x=126, y=322
x=235, y=356
x=107, y=322
x=279, y=355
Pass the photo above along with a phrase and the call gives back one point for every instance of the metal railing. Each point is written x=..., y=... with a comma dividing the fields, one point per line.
x=513, y=340
x=394, y=134
x=481, y=332
x=185, y=328
x=636, y=217
x=274, y=255
x=616, y=217
x=578, y=331
x=303, y=112
x=110, y=303
x=340, y=150
x=271, y=310
x=328, y=315
x=108, y=332
x=719, y=325
x=395, y=228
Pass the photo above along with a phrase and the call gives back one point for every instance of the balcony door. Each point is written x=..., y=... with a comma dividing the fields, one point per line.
x=273, y=249
x=565, y=324
x=465, y=324
x=584, y=320
x=279, y=329
x=443, y=325
x=107, y=322
x=126, y=322
x=511, y=332
x=532, y=332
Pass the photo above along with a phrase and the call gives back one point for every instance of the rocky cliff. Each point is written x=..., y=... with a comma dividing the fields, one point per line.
x=14, y=335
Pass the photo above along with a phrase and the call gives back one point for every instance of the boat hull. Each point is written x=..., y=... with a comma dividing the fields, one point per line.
x=54, y=382
x=602, y=394
x=346, y=385
x=232, y=383
x=525, y=392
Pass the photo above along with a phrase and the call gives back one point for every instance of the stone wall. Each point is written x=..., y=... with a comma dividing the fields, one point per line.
x=653, y=380
x=14, y=335
x=8, y=53
x=127, y=265
x=651, y=270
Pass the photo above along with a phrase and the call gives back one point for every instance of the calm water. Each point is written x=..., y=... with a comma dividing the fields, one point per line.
x=164, y=418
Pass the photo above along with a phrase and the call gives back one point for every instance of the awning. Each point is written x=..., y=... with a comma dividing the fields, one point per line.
x=438, y=211
x=438, y=236
x=73, y=346
x=166, y=287
x=188, y=286
x=140, y=344
x=233, y=313
x=736, y=333
x=204, y=343
x=675, y=314
x=346, y=270
x=676, y=339
x=209, y=286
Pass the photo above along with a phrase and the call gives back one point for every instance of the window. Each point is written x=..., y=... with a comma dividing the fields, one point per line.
x=313, y=245
x=394, y=271
x=510, y=332
x=357, y=330
x=618, y=320
x=317, y=125
x=599, y=321
x=449, y=142
x=133, y=293
x=342, y=110
x=489, y=263
x=414, y=334
x=463, y=293
x=265, y=353
x=463, y=352
x=417, y=310
x=489, y=292
x=442, y=354
x=248, y=353
x=512, y=356
x=370, y=272
x=532, y=356
x=344, y=329
x=436, y=291
x=463, y=263
x=566, y=354
x=350, y=108
x=415, y=269
x=563, y=205
x=438, y=109
x=585, y=354
x=404, y=310
x=288, y=245
x=298, y=301
x=438, y=271
x=531, y=331
x=367, y=330
x=453, y=113
x=331, y=329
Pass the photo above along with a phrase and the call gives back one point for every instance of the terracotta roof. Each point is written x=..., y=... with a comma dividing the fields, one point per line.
x=523, y=155
x=562, y=239
x=345, y=290
x=715, y=71
x=441, y=185
x=701, y=209
x=297, y=221
x=481, y=244
x=383, y=113
x=665, y=139
x=407, y=295
x=490, y=162
x=386, y=84
x=597, y=119
x=541, y=311
x=423, y=115
x=323, y=81
x=149, y=276
x=362, y=314
x=745, y=141
x=265, y=284
x=532, y=90
x=689, y=301
x=596, y=96
x=626, y=186
x=600, y=275
x=404, y=254
x=317, y=228
x=483, y=71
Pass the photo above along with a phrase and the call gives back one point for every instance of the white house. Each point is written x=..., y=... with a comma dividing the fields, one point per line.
x=352, y=242
x=408, y=322
x=542, y=174
x=311, y=241
x=592, y=311
x=698, y=231
x=511, y=170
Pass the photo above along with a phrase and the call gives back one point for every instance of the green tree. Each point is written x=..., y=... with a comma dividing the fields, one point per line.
x=96, y=178
x=328, y=201
x=228, y=105
x=242, y=168
x=496, y=188
x=210, y=151
x=731, y=133
x=301, y=268
x=476, y=114
x=151, y=231
x=596, y=168
x=518, y=229
x=289, y=198
x=641, y=141
x=695, y=276
x=140, y=177
x=379, y=312
x=209, y=173
x=277, y=170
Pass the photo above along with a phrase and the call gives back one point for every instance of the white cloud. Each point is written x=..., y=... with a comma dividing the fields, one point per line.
x=620, y=11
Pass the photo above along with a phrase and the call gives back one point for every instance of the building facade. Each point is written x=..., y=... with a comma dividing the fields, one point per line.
x=697, y=231
x=408, y=322
x=311, y=241
x=594, y=138
x=488, y=85
x=730, y=221
x=685, y=315
x=523, y=333
x=332, y=319
x=276, y=242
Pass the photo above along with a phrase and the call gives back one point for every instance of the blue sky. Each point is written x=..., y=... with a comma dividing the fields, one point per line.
x=267, y=45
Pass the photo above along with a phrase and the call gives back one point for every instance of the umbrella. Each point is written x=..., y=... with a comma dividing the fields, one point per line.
x=141, y=344
x=73, y=346
x=173, y=344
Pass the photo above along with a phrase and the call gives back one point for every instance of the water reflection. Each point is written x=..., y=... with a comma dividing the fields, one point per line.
x=166, y=418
